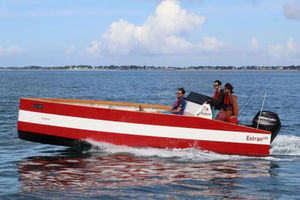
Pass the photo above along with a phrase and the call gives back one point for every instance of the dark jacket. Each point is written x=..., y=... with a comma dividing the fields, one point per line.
x=218, y=104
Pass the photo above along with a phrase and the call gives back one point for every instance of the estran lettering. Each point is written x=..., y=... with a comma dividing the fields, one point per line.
x=254, y=138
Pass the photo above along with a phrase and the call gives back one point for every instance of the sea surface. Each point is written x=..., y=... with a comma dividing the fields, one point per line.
x=37, y=171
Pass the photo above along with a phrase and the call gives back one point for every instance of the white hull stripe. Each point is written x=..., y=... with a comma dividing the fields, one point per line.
x=142, y=129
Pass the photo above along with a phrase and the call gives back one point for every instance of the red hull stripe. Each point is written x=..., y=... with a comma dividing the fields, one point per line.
x=133, y=117
x=142, y=129
x=146, y=141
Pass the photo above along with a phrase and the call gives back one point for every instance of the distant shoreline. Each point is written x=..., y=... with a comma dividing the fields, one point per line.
x=159, y=68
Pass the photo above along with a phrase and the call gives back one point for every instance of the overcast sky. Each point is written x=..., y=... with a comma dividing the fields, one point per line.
x=149, y=32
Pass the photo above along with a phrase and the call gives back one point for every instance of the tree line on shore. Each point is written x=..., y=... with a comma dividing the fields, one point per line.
x=136, y=67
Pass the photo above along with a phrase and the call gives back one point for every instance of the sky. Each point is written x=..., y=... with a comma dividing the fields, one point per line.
x=177, y=33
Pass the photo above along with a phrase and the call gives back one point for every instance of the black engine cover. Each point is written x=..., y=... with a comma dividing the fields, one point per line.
x=268, y=121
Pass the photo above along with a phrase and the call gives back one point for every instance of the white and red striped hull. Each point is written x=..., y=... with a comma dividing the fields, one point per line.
x=59, y=122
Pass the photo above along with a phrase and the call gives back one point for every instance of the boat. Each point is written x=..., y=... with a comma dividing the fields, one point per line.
x=68, y=122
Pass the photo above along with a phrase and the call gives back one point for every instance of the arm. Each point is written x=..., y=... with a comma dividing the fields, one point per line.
x=235, y=105
x=176, y=111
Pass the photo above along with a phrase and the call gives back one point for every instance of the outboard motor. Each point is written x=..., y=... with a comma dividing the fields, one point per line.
x=268, y=121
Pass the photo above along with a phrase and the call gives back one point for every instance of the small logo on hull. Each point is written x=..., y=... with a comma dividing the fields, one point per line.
x=256, y=139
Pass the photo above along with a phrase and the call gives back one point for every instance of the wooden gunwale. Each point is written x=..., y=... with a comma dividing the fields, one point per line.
x=113, y=103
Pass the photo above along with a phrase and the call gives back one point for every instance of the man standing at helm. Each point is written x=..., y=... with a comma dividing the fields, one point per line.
x=218, y=99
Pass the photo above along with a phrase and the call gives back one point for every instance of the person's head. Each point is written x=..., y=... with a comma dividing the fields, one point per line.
x=180, y=92
x=228, y=88
x=217, y=85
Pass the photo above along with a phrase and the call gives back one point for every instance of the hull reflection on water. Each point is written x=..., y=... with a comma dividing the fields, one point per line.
x=114, y=174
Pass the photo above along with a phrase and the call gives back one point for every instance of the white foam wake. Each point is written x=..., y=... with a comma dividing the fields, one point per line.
x=186, y=155
x=286, y=145
x=283, y=145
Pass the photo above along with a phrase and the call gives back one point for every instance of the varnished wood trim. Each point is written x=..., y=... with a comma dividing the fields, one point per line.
x=113, y=103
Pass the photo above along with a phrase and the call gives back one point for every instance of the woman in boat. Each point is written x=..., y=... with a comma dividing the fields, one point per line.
x=230, y=104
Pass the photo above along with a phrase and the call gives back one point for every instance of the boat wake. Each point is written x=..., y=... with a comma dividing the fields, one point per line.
x=286, y=145
x=179, y=155
x=283, y=145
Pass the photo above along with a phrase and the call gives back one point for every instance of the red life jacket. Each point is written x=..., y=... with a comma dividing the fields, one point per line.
x=216, y=95
x=226, y=99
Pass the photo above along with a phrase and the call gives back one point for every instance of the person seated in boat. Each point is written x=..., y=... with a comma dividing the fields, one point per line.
x=230, y=109
x=179, y=105
x=217, y=101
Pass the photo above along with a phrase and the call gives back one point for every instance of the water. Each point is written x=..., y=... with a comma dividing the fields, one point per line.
x=38, y=171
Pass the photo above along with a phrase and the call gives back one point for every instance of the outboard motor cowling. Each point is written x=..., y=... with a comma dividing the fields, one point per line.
x=268, y=121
